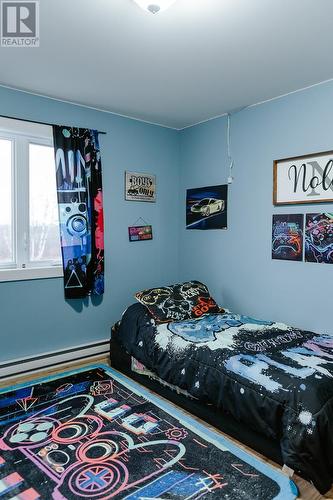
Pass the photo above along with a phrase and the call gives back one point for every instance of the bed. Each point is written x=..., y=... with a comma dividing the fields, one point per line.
x=268, y=384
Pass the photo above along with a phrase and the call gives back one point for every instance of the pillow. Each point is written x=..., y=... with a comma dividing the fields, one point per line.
x=178, y=302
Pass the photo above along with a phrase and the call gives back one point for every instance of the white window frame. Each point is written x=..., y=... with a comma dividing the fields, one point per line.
x=22, y=134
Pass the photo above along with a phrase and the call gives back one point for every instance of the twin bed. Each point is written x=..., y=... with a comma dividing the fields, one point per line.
x=267, y=384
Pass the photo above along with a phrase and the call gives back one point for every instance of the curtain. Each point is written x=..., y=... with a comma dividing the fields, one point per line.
x=80, y=204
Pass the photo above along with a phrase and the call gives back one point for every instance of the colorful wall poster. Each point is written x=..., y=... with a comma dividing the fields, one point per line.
x=140, y=187
x=140, y=233
x=319, y=238
x=207, y=207
x=287, y=237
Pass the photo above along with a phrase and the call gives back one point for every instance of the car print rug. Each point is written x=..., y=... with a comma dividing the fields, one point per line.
x=95, y=434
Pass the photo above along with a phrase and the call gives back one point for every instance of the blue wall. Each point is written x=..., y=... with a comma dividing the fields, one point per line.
x=237, y=263
x=34, y=315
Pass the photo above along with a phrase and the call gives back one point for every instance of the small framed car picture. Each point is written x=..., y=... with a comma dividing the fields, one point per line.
x=140, y=187
x=206, y=208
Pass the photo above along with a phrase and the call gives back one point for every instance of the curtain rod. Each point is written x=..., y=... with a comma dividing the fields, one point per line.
x=39, y=123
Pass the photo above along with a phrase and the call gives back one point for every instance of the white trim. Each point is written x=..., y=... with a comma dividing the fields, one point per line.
x=43, y=361
x=30, y=273
x=206, y=120
x=12, y=126
x=73, y=103
x=22, y=188
x=259, y=103
x=178, y=129
x=4, y=137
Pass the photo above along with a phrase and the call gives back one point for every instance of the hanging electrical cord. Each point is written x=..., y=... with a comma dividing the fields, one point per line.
x=229, y=155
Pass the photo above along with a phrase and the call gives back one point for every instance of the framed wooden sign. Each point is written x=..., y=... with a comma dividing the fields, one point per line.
x=303, y=179
x=140, y=187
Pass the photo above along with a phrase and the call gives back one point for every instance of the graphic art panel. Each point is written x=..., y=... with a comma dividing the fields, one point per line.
x=89, y=435
x=319, y=238
x=287, y=237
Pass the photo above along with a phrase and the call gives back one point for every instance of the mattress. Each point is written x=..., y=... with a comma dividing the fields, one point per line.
x=274, y=378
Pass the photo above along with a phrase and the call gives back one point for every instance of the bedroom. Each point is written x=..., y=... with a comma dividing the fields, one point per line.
x=162, y=94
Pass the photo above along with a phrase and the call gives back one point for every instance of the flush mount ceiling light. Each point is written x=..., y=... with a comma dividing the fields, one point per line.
x=154, y=6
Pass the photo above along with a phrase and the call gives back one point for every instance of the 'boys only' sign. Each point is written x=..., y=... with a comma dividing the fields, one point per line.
x=140, y=187
x=304, y=179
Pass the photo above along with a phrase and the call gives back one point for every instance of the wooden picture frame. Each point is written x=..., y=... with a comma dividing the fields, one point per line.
x=140, y=186
x=304, y=179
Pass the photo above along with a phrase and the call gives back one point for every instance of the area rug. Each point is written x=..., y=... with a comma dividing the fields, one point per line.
x=95, y=434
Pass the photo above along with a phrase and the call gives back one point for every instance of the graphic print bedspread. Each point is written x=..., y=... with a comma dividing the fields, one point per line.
x=270, y=376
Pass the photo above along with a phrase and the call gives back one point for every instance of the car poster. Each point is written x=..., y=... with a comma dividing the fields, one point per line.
x=207, y=207
x=140, y=187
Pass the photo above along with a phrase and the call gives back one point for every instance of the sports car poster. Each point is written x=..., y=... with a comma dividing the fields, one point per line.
x=207, y=207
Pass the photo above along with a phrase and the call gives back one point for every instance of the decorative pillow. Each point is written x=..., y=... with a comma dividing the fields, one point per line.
x=178, y=302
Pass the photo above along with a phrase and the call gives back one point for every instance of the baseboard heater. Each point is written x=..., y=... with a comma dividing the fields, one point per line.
x=19, y=367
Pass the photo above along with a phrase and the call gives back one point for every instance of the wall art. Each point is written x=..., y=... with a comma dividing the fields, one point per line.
x=319, y=238
x=303, y=179
x=207, y=207
x=140, y=233
x=140, y=187
x=287, y=237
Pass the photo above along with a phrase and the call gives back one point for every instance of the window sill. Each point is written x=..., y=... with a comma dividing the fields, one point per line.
x=30, y=273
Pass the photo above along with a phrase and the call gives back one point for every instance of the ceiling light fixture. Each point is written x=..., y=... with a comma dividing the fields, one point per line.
x=154, y=6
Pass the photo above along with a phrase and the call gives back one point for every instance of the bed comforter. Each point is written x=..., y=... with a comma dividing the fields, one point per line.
x=270, y=376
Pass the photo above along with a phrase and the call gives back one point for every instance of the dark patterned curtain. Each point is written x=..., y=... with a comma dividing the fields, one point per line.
x=80, y=203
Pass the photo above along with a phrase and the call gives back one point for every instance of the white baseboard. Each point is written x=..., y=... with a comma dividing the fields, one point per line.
x=30, y=364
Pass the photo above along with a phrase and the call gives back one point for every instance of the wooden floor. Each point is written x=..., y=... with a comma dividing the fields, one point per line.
x=307, y=491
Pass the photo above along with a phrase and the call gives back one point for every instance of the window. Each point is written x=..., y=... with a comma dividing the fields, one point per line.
x=29, y=230
x=6, y=162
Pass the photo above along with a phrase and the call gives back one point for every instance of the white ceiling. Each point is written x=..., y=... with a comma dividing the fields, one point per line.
x=197, y=60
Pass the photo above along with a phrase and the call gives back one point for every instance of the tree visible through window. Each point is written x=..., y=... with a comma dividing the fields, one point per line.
x=29, y=229
x=6, y=237
x=44, y=228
